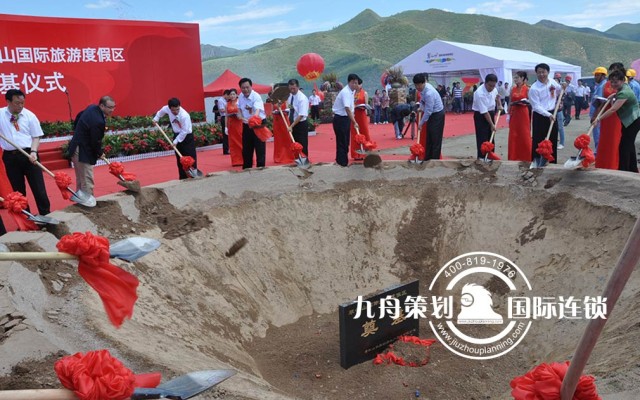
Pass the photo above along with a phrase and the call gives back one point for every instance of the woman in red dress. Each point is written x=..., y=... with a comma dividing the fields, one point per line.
x=234, y=127
x=361, y=117
x=610, y=133
x=281, y=139
x=519, y=120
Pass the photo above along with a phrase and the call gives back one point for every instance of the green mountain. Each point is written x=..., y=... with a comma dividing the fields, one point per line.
x=545, y=23
x=208, y=51
x=368, y=44
x=626, y=31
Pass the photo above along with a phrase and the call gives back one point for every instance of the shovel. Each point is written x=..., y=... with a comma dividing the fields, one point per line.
x=627, y=262
x=493, y=135
x=180, y=388
x=575, y=162
x=302, y=162
x=134, y=185
x=417, y=160
x=38, y=219
x=78, y=197
x=193, y=172
x=129, y=249
x=539, y=161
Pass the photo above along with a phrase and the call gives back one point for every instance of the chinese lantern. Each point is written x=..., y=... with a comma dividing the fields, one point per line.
x=310, y=66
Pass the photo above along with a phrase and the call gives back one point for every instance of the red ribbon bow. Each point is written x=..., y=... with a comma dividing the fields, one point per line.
x=545, y=149
x=116, y=287
x=187, y=162
x=262, y=132
x=97, y=375
x=544, y=381
x=15, y=202
x=63, y=181
x=417, y=150
x=582, y=142
x=296, y=149
x=117, y=169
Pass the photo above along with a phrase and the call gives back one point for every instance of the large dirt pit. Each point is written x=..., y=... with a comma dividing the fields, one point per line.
x=316, y=239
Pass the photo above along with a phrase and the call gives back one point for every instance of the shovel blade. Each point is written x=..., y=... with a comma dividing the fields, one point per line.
x=539, y=162
x=42, y=220
x=83, y=199
x=133, y=248
x=302, y=162
x=133, y=186
x=185, y=386
x=573, y=162
x=195, y=173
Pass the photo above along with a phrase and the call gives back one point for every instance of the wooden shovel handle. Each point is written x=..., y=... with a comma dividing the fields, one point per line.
x=493, y=134
x=38, y=394
x=626, y=263
x=602, y=109
x=555, y=112
x=34, y=255
x=286, y=123
x=42, y=167
x=168, y=140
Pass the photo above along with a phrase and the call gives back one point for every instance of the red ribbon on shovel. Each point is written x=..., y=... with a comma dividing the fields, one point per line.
x=117, y=169
x=15, y=202
x=116, y=287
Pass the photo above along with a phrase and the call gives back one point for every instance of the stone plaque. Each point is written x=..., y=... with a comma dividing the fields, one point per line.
x=363, y=338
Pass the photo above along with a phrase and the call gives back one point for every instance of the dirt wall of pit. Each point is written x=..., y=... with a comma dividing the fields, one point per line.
x=316, y=239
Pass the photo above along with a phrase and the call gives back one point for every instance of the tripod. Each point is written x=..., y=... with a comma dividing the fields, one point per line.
x=413, y=123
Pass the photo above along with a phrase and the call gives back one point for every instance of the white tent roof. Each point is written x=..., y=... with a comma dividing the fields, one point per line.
x=440, y=57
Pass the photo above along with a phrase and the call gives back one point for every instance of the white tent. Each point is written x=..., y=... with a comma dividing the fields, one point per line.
x=444, y=61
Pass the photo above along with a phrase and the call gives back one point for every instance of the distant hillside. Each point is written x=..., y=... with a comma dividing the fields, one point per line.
x=368, y=43
x=626, y=31
x=545, y=23
x=208, y=51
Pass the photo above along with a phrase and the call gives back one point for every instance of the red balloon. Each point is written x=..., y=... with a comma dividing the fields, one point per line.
x=310, y=66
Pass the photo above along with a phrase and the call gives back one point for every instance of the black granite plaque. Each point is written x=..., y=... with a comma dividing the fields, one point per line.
x=363, y=338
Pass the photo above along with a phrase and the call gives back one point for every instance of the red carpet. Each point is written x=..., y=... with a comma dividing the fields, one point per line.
x=162, y=169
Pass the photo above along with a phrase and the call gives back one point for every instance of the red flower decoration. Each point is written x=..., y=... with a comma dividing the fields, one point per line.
x=15, y=202
x=545, y=149
x=417, y=150
x=97, y=375
x=390, y=357
x=360, y=139
x=544, y=381
x=582, y=141
x=296, y=149
x=262, y=132
x=63, y=181
x=14, y=120
x=117, y=169
x=116, y=287
x=187, y=162
x=487, y=147
x=589, y=158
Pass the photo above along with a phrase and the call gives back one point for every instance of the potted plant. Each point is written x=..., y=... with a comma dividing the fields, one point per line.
x=398, y=82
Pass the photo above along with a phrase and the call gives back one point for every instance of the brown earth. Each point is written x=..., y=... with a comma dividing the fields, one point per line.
x=320, y=238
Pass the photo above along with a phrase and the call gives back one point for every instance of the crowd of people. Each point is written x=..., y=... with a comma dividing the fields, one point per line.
x=534, y=110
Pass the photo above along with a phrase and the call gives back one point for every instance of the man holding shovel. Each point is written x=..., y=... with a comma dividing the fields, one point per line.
x=86, y=145
x=250, y=103
x=298, y=115
x=485, y=103
x=543, y=96
x=432, y=115
x=22, y=128
x=182, y=136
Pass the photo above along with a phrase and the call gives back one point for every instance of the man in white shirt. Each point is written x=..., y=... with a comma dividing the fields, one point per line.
x=485, y=103
x=222, y=110
x=568, y=100
x=543, y=96
x=182, y=136
x=250, y=103
x=343, y=117
x=298, y=111
x=432, y=115
x=579, y=98
x=314, y=102
x=22, y=127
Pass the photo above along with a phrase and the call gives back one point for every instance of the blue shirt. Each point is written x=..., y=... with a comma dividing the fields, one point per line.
x=430, y=102
x=635, y=87
x=597, y=92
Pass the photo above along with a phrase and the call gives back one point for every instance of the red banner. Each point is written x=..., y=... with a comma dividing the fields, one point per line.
x=65, y=64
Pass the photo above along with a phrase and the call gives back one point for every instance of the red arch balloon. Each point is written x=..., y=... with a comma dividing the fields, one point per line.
x=310, y=66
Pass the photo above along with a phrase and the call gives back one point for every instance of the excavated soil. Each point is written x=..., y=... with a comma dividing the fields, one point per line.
x=253, y=266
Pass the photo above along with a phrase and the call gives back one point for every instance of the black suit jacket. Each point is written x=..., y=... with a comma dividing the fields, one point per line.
x=88, y=133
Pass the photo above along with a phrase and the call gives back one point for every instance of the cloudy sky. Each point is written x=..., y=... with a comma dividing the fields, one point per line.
x=246, y=23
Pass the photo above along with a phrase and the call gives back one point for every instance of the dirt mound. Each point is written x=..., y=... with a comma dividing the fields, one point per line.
x=269, y=309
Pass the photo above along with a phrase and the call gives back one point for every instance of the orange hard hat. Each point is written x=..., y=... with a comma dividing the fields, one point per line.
x=600, y=70
x=631, y=73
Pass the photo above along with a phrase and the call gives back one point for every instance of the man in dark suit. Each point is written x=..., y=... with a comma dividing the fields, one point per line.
x=86, y=145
